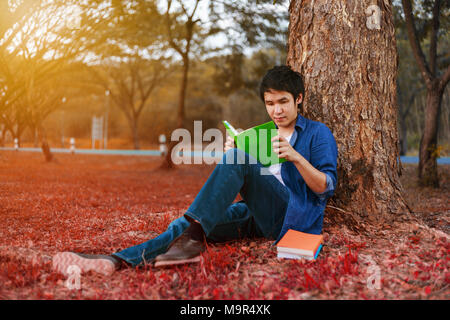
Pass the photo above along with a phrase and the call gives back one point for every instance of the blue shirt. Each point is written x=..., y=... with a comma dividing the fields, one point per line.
x=316, y=143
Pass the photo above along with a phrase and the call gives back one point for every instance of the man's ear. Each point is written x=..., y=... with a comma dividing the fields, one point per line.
x=298, y=101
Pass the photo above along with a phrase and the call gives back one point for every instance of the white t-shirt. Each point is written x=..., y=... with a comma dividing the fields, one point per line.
x=275, y=169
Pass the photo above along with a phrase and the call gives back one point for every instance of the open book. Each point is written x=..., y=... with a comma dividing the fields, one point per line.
x=256, y=141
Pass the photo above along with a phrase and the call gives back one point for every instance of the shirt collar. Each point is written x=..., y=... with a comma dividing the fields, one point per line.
x=301, y=122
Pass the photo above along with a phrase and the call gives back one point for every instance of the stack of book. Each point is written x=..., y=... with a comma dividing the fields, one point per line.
x=299, y=245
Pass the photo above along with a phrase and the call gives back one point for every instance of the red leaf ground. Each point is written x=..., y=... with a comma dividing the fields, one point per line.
x=102, y=204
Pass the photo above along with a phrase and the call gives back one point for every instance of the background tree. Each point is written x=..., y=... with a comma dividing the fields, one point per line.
x=435, y=82
x=27, y=70
x=130, y=58
x=36, y=50
x=236, y=80
x=185, y=35
x=14, y=11
x=11, y=13
x=257, y=39
x=130, y=84
x=409, y=84
x=346, y=52
x=253, y=20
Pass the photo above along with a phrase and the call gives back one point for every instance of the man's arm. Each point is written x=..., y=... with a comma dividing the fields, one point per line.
x=315, y=179
x=319, y=175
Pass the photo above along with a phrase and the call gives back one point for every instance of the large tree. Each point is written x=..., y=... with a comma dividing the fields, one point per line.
x=131, y=58
x=12, y=13
x=130, y=84
x=346, y=52
x=184, y=34
x=38, y=47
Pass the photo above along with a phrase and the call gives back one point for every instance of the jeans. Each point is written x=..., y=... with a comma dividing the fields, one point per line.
x=260, y=214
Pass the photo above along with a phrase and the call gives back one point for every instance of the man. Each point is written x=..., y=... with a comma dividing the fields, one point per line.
x=291, y=195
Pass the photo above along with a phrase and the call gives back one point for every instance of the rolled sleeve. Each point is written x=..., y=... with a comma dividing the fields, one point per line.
x=328, y=191
x=324, y=158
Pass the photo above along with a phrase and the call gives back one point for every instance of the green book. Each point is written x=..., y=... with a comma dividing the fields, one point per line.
x=256, y=141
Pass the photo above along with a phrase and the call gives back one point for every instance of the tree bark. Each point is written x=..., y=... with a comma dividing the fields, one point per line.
x=348, y=60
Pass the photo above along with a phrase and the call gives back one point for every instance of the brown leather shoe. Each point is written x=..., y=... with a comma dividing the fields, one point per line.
x=183, y=249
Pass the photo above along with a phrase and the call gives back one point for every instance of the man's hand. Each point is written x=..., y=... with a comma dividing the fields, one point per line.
x=284, y=148
x=316, y=180
x=229, y=144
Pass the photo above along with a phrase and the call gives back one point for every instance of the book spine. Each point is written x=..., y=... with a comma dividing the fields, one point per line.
x=231, y=130
x=317, y=252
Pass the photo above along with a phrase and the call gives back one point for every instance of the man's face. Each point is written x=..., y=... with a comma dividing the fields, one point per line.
x=281, y=107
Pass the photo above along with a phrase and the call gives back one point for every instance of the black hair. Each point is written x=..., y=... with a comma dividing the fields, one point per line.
x=283, y=78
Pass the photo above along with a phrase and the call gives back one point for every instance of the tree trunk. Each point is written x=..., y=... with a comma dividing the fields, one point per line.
x=348, y=59
x=182, y=97
x=135, y=132
x=34, y=131
x=168, y=163
x=2, y=137
x=44, y=144
x=428, y=152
